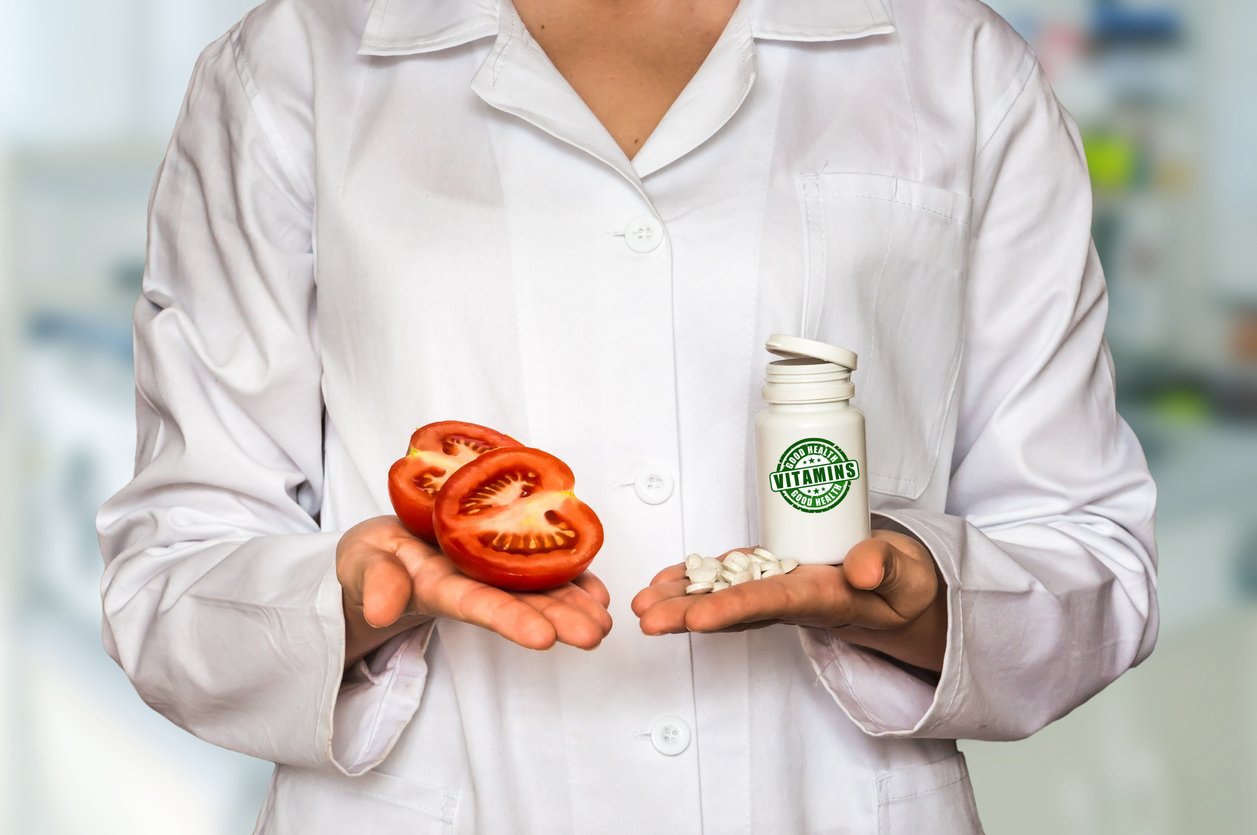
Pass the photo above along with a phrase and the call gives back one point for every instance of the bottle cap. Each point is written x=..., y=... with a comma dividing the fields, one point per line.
x=792, y=347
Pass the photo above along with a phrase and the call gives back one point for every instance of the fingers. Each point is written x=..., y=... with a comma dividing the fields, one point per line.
x=666, y=616
x=747, y=605
x=667, y=584
x=666, y=608
x=578, y=619
x=895, y=589
x=594, y=587
x=440, y=590
x=511, y=617
x=582, y=601
x=573, y=614
x=769, y=599
x=672, y=572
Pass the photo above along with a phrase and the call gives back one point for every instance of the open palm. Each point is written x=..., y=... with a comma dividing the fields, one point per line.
x=393, y=581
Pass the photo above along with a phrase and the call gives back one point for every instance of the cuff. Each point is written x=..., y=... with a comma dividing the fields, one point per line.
x=882, y=698
x=374, y=700
x=378, y=697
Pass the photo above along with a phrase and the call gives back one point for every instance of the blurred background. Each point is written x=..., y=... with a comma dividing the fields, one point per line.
x=1166, y=94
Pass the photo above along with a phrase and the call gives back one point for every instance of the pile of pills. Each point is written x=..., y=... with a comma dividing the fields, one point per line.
x=710, y=574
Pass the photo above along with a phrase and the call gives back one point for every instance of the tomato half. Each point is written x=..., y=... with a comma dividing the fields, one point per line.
x=436, y=452
x=510, y=519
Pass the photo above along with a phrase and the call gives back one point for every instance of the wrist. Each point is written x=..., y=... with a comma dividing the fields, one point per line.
x=921, y=643
x=361, y=638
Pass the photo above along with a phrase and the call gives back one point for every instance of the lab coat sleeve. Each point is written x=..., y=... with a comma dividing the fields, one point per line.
x=220, y=595
x=1046, y=544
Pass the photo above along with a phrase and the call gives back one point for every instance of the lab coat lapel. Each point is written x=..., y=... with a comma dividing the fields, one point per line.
x=413, y=27
x=708, y=101
x=816, y=21
x=518, y=78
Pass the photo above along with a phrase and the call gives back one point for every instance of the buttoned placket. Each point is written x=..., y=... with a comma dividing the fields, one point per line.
x=517, y=78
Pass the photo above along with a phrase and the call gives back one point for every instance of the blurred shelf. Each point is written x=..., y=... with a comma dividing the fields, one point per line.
x=78, y=221
x=1114, y=24
x=1168, y=749
x=83, y=332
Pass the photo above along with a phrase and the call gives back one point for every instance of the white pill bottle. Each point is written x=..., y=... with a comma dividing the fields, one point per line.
x=809, y=443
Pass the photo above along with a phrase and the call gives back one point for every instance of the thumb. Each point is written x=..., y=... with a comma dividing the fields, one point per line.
x=907, y=585
x=384, y=589
x=870, y=565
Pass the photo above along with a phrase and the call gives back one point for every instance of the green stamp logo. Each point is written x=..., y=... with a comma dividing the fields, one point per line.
x=814, y=475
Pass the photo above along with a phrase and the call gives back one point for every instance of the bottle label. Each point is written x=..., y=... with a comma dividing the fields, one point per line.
x=814, y=475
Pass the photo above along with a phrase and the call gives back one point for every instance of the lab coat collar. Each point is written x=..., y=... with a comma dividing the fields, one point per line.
x=818, y=20
x=518, y=78
x=408, y=27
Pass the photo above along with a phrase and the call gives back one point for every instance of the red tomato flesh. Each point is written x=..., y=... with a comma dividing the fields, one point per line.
x=510, y=519
x=436, y=452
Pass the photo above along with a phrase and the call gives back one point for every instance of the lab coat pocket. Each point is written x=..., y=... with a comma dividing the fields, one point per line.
x=309, y=803
x=935, y=797
x=886, y=259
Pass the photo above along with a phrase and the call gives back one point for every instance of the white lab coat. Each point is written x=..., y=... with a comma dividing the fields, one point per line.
x=377, y=215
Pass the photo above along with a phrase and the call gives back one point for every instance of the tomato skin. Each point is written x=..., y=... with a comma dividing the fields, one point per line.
x=411, y=503
x=432, y=435
x=436, y=451
x=467, y=537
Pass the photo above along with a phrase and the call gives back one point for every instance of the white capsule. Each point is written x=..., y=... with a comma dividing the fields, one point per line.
x=693, y=561
x=738, y=579
x=699, y=588
x=771, y=571
x=719, y=585
x=757, y=571
x=712, y=562
x=789, y=565
x=738, y=560
x=765, y=553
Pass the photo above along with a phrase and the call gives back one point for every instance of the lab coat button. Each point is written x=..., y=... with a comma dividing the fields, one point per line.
x=644, y=234
x=670, y=736
x=654, y=486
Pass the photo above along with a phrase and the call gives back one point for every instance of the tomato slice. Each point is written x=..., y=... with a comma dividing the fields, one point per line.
x=510, y=519
x=436, y=452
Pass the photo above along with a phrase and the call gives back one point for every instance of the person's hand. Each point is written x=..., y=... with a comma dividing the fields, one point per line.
x=887, y=595
x=392, y=582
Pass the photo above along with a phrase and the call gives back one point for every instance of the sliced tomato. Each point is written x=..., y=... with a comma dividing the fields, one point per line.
x=510, y=519
x=436, y=452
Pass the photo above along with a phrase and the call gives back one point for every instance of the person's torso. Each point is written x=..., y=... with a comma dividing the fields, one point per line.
x=485, y=252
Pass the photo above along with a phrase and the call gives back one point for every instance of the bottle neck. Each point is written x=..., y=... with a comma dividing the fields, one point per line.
x=803, y=381
x=795, y=408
